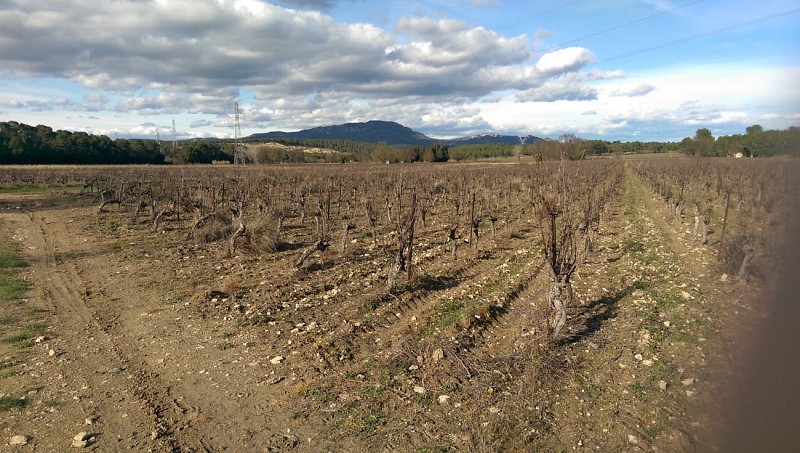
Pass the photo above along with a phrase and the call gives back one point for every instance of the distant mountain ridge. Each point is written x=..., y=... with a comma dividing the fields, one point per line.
x=392, y=133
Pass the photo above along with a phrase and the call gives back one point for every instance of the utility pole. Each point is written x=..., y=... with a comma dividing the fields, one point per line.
x=158, y=140
x=238, y=147
x=174, y=138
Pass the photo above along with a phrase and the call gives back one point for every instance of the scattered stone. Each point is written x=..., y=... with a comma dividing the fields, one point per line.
x=638, y=357
x=687, y=382
x=40, y=339
x=494, y=410
x=19, y=440
x=686, y=295
x=419, y=389
x=647, y=362
x=689, y=393
x=276, y=360
x=82, y=440
x=723, y=278
x=438, y=354
x=443, y=399
x=51, y=353
x=632, y=439
x=90, y=420
x=662, y=384
x=667, y=324
x=154, y=435
x=275, y=380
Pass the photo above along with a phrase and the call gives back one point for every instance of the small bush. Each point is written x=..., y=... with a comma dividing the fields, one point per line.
x=215, y=229
x=261, y=236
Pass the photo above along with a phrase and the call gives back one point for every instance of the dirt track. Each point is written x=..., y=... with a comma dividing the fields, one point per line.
x=149, y=372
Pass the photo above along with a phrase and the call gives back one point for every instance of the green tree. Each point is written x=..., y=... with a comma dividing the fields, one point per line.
x=754, y=129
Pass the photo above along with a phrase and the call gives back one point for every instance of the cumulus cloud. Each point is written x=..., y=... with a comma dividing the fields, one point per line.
x=168, y=56
x=299, y=67
x=200, y=123
x=636, y=91
x=322, y=5
x=558, y=90
x=564, y=60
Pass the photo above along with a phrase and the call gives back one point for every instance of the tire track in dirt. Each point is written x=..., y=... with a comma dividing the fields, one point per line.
x=82, y=286
x=96, y=349
x=208, y=399
x=84, y=357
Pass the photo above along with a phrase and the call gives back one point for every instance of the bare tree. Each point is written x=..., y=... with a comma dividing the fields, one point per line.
x=322, y=242
x=405, y=244
x=561, y=258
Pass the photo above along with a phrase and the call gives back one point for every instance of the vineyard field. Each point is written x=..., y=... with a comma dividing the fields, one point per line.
x=592, y=305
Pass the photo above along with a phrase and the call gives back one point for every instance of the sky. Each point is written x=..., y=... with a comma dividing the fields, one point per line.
x=648, y=70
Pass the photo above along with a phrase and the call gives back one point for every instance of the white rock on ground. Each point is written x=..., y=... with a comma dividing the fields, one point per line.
x=19, y=440
x=81, y=440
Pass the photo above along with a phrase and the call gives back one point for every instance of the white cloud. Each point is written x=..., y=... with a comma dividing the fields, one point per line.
x=564, y=60
x=200, y=123
x=293, y=67
x=634, y=91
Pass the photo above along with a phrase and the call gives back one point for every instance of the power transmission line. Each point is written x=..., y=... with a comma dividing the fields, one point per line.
x=665, y=44
x=697, y=36
x=536, y=16
x=617, y=27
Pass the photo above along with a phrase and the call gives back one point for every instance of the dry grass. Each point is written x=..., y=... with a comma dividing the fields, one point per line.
x=261, y=236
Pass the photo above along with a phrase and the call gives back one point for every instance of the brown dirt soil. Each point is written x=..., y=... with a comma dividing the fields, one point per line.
x=170, y=346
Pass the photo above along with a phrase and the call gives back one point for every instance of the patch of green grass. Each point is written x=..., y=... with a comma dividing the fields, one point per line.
x=9, y=402
x=301, y=415
x=9, y=256
x=638, y=389
x=25, y=338
x=394, y=369
x=320, y=394
x=634, y=246
x=35, y=189
x=670, y=299
x=343, y=354
x=371, y=423
x=372, y=392
x=445, y=316
x=7, y=370
x=11, y=288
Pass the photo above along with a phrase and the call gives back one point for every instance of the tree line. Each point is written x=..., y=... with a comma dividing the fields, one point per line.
x=755, y=142
x=24, y=144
